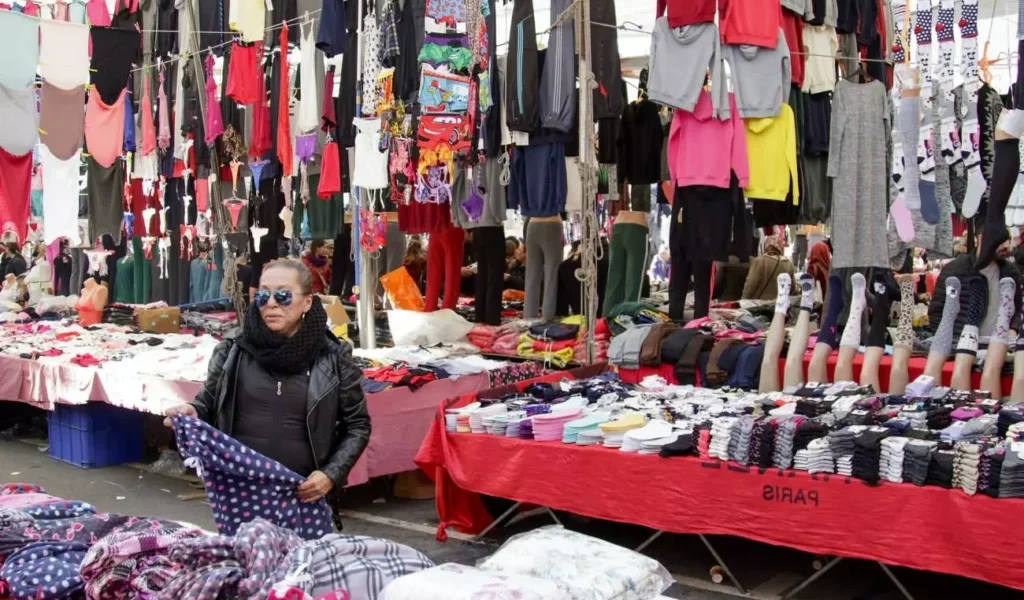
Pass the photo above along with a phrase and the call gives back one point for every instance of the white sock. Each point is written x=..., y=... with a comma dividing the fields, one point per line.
x=806, y=292
x=851, y=334
x=782, y=301
x=976, y=186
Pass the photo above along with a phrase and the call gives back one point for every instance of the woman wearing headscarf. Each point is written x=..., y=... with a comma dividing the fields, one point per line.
x=819, y=264
x=286, y=387
x=765, y=270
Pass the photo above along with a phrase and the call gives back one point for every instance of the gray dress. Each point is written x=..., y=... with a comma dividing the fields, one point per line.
x=858, y=167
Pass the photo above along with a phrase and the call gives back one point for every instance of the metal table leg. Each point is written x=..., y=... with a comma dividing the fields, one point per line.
x=721, y=564
x=553, y=516
x=497, y=521
x=649, y=541
x=814, y=577
x=896, y=581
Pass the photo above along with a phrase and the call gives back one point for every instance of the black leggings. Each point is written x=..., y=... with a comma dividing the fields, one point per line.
x=1004, y=177
x=489, y=248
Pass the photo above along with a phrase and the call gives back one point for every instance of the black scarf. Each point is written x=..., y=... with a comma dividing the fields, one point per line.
x=286, y=355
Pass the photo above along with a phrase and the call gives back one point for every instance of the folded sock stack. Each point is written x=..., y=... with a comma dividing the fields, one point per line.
x=841, y=442
x=939, y=417
x=572, y=429
x=1011, y=475
x=654, y=446
x=614, y=431
x=743, y=439
x=801, y=460
x=734, y=438
x=682, y=446
x=514, y=422
x=979, y=427
x=476, y=417
x=721, y=433
x=867, y=450
x=702, y=435
x=819, y=456
x=890, y=465
x=765, y=446
x=940, y=469
x=1008, y=416
x=783, y=455
x=633, y=440
x=966, y=467
x=844, y=465
x=807, y=431
x=917, y=456
x=994, y=458
x=526, y=429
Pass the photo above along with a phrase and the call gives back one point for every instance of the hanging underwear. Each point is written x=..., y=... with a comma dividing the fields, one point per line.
x=163, y=220
x=203, y=193
x=257, y=235
x=305, y=147
x=62, y=119
x=455, y=57
x=147, y=216
x=19, y=131
x=129, y=124
x=234, y=208
x=186, y=198
x=15, y=189
x=146, y=167
x=286, y=215
x=19, y=37
x=164, y=246
x=304, y=183
x=286, y=190
x=147, y=247
x=330, y=173
x=284, y=134
x=327, y=117
x=60, y=196
x=104, y=128
x=186, y=241
x=64, y=53
x=97, y=13
x=260, y=141
x=243, y=71
x=214, y=120
x=402, y=170
x=439, y=139
x=129, y=225
x=97, y=262
x=163, y=136
x=113, y=51
x=256, y=168
x=148, y=128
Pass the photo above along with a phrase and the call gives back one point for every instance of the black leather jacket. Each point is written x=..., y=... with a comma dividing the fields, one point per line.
x=336, y=415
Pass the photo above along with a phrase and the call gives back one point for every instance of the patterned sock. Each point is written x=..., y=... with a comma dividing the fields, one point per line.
x=827, y=333
x=806, y=292
x=943, y=340
x=909, y=124
x=881, y=304
x=899, y=14
x=1007, y=291
x=976, y=297
x=782, y=300
x=969, y=68
x=905, y=329
x=944, y=72
x=923, y=33
x=851, y=332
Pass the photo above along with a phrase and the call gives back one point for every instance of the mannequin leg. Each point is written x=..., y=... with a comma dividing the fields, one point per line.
x=818, y=369
x=850, y=341
x=967, y=347
x=869, y=369
x=942, y=343
x=995, y=357
x=1017, y=393
x=776, y=338
x=903, y=345
x=883, y=295
x=794, y=373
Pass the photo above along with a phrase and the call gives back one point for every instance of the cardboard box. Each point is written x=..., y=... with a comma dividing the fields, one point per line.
x=160, y=320
x=336, y=313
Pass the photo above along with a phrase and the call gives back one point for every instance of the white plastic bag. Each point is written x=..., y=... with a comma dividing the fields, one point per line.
x=459, y=582
x=426, y=329
x=584, y=567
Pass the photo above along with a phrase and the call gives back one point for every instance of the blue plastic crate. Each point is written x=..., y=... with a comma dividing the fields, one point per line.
x=95, y=435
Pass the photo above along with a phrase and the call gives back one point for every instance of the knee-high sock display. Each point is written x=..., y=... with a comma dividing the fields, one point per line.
x=852, y=331
x=905, y=328
x=942, y=343
x=806, y=283
x=830, y=320
x=883, y=295
x=970, y=149
x=782, y=300
x=1004, y=177
x=950, y=138
x=1007, y=292
x=923, y=33
x=976, y=297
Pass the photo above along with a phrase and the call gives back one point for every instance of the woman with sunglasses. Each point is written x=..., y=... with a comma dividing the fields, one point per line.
x=286, y=387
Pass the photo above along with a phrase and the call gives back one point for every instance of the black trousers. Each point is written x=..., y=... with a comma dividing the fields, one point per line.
x=683, y=269
x=489, y=249
x=343, y=271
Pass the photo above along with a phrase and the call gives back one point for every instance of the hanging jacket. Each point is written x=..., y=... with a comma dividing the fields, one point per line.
x=558, y=79
x=753, y=22
x=687, y=12
x=522, y=90
x=680, y=59
x=761, y=77
x=703, y=150
x=771, y=148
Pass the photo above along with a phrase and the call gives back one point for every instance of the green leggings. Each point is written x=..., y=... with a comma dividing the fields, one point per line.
x=626, y=265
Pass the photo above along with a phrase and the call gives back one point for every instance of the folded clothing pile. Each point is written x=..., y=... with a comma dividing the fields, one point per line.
x=940, y=469
x=482, y=336
x=650, y=434
x=917, y=455
x=890, y=465
x=966, y=467
x=867, y=451
x=615, y=431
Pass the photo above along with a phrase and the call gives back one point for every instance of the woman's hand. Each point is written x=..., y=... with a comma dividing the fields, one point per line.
x=315, y=488
x=186, y=410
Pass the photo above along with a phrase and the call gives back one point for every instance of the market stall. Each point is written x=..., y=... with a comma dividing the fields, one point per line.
x=928, y=528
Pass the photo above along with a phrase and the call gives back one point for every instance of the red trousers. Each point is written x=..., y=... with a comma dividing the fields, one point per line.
x=444, y=259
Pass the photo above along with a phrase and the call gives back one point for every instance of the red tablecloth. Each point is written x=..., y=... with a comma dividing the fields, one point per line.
x=927, y=528
x=915, y=367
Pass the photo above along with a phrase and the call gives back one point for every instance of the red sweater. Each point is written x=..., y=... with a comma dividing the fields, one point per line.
x=687, y=12
x=754, y=22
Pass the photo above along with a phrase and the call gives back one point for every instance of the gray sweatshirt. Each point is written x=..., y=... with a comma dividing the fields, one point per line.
x=488, y=177
x=680, y=58
x=761, y=77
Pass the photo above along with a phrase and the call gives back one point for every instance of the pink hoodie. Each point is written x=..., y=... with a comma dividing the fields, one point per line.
x=702, y=150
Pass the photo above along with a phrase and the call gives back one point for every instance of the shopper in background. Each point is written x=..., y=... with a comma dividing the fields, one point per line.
x=515, y=257
x=318, y=265
x=819, y=265
x=416, y=260
x=765, y=270
x=14, y=262
x=286, y=387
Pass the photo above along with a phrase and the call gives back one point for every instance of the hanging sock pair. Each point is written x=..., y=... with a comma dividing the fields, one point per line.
x=944, y=73
x=970, y=150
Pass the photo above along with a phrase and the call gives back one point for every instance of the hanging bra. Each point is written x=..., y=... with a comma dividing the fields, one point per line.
x=64, y=54
x=104, y=128
x=19, y=123
x=62, y=119
x=19, y=36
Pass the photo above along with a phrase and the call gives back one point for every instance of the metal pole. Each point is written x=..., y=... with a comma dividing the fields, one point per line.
x=589, y=241
x=220, y=213
x=364, y=269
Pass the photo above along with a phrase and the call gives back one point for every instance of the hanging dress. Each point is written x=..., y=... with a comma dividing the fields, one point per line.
x=214, y=122
x=104, y=128
x=309, y=115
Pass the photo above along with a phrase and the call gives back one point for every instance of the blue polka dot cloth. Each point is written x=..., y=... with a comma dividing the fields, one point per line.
x=67, y=509
x=45, y=571
x=242, y=484
x=944, y=24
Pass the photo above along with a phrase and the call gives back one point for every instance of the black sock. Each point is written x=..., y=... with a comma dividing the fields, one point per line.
x=1004, y=177
x=881, y=304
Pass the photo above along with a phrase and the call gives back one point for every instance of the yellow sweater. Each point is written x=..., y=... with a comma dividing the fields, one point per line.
x=771, y=153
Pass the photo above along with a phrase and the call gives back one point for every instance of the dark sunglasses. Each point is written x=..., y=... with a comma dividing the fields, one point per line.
x=282, y=297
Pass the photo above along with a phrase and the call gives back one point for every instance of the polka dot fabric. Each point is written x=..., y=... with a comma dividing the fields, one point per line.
x=944, y=24
x=61, y=510
x=242, y=484
x=45, y=571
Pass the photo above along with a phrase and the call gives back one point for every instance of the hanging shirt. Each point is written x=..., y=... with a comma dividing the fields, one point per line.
x=104, y=128
x=64, y=54
x=62, y=119
x=113, y=51
x=15, y=189
x=309, y=114
x=371, y=165
x=820, y=43
x=19, y=121
x=60, y=196
x=19, y=47
x=331, y=35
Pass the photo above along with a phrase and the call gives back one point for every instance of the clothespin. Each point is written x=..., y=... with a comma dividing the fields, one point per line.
x=41, y=132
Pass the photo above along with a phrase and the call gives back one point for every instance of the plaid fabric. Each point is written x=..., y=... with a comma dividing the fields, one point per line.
x=131, y=565
x=242, y=484
x=358, y=564
x=389, y=33
x=88, y=530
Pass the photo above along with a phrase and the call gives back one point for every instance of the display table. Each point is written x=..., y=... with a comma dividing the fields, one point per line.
x=928, y=528
x=915, y=367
